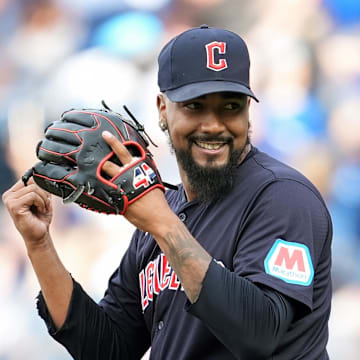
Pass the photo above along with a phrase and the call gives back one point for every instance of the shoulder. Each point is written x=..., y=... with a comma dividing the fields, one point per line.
x=262, y=170
x=272, y=168
x=288, y=199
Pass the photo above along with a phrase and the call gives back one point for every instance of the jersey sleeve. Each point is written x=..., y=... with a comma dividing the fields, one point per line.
x=240, y=314
x=122, y=299
x=283, y=238
x=112, y=329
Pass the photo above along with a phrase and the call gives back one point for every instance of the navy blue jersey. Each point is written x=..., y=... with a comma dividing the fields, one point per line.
x=273, y=229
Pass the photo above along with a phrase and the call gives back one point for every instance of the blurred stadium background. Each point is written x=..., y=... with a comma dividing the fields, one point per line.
x=60, y=54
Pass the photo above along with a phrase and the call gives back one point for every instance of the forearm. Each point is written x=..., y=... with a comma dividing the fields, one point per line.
x=186, y=256
x=55, y=281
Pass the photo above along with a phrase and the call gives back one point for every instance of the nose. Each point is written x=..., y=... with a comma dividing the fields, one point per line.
x=211, y=123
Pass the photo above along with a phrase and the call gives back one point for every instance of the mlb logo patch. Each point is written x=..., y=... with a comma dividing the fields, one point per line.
x=290, y=262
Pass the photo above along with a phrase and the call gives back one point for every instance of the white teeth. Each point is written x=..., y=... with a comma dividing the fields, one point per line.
x=209, y=146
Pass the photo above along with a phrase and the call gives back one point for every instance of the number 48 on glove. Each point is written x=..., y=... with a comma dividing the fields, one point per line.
x=73, y=153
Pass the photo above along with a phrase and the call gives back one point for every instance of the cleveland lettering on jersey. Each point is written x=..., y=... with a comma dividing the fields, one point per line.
x=157, y=276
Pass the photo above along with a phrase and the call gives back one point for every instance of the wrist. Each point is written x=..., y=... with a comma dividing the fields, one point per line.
x=165, y=224
x=39, y=246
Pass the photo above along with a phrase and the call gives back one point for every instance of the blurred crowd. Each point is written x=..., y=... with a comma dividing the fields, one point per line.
x=62, y=54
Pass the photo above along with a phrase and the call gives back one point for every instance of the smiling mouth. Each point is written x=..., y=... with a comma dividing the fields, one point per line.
x=210, y=145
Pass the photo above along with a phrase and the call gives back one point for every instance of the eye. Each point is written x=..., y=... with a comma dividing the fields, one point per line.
x=235, y=105
x=192, y=105
x=231, y=106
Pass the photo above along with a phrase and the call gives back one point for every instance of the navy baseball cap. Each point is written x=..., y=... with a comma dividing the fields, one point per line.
x=202, y=61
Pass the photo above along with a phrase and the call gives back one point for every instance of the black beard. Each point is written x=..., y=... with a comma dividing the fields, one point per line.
x=209, y=182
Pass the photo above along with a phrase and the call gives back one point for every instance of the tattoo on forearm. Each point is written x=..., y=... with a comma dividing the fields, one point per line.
x=188, y=259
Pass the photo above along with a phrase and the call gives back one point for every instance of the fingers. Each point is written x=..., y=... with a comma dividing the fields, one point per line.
x=21, y=196
x=18, y=185
x=18, y=191
x=111, y=169
x=119, y=149
x=28, y=202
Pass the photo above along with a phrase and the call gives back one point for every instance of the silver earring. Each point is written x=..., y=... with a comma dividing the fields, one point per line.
x=163, y=125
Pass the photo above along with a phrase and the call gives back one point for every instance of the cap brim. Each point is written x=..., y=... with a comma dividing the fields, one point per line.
x=195, y=90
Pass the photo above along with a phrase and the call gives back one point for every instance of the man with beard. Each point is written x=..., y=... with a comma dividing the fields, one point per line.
x=234, y=264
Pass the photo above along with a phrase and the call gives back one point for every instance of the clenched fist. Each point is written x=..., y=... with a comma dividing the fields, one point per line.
x=31, y=211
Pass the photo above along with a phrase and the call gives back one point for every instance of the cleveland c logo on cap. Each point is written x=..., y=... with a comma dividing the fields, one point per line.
x=210, y=55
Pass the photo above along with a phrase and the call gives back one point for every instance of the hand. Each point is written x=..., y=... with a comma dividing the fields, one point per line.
x=31, y=211
x=140, y=213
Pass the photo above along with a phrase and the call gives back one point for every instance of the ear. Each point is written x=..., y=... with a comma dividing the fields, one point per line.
x=161, y=105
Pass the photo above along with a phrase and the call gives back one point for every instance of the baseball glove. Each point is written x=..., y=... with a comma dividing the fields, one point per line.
x=73, y=153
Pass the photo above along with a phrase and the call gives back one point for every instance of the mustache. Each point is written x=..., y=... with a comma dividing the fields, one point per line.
x=211, y=138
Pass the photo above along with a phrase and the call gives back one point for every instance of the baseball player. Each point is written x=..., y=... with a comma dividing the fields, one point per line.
x=234, y=264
